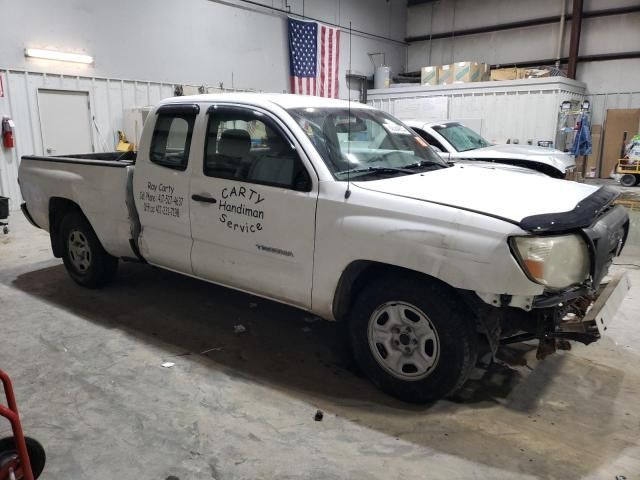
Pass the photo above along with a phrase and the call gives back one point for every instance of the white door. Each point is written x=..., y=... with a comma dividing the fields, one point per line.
x=65, y=122
x=253, y=206
x=161, y=186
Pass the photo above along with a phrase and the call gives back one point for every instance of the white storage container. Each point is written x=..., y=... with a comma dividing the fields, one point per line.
x=511, y=109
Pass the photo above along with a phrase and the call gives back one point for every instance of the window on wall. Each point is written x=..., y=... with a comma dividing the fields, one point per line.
x=246, y=146
x=171, y=140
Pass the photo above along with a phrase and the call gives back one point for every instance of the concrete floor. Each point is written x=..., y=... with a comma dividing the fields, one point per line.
x=87, y=370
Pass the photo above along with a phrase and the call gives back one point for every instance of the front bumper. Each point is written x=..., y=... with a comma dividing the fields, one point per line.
x=584, y=319
x=587, y=318
x=607, y=303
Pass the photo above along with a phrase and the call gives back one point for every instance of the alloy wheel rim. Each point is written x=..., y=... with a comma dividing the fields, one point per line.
x=79, y=251
x=403, y=340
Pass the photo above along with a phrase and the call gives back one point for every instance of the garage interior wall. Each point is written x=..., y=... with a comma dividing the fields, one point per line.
x=193, y=41
x=156, y=44
x=600, y=35
x=108, y=99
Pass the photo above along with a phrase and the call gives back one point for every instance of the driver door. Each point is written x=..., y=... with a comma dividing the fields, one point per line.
x=253, y=202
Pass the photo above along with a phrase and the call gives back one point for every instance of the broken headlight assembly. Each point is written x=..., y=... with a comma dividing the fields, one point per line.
x=553, y=261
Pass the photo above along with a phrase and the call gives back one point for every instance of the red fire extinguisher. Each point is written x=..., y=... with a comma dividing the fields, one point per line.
x=7, y=132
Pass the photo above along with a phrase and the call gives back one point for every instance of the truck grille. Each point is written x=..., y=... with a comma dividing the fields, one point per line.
x=606, y=238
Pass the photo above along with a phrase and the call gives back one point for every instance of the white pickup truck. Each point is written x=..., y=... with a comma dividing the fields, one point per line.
x=457, y=142
x=341, y=210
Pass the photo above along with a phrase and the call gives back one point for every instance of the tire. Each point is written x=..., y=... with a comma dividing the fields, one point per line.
x=37, y=456
x=442, y=340
x=628, y=180
x=86, y=261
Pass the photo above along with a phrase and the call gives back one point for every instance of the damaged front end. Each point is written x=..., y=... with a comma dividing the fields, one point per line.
x=577, y=313
x=582, y=318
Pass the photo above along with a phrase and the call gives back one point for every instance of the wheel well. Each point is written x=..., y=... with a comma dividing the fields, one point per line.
x=58, y=209
x=359, y=273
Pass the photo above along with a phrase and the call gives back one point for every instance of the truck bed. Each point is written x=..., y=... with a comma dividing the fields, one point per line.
x=98, y=183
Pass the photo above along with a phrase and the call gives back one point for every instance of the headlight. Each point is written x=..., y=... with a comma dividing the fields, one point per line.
x=555, y=261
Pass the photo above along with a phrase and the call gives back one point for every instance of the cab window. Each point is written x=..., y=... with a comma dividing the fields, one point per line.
x=171, y=140
x=246, y=146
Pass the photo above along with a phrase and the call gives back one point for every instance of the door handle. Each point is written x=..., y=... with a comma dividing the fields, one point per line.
x=202, y=198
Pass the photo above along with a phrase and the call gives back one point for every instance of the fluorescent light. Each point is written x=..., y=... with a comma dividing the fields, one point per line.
x=61, y=56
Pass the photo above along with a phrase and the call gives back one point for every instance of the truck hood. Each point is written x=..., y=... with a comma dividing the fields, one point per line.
x=548, y=156
x=509, y=195
x=499, y=166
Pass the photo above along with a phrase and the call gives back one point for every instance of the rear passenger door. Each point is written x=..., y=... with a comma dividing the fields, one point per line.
x=161, y=187
x=253, y=202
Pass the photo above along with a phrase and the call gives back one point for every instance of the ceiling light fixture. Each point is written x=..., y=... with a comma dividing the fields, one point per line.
x=60, y=56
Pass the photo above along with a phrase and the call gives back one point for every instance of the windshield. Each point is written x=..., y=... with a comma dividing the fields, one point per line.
x=366, y=143
x=461, y=137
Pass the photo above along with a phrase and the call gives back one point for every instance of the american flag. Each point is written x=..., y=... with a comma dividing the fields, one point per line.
x=314, y=57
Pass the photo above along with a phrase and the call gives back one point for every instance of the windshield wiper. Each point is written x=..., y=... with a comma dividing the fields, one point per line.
x=424, y=163
x=375, y=170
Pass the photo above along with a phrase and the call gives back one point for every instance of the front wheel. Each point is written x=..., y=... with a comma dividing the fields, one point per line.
x=85, y=259
x=412, y=339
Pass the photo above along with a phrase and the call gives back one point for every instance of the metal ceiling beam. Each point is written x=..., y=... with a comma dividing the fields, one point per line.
x=574, y=44
x=524, y=23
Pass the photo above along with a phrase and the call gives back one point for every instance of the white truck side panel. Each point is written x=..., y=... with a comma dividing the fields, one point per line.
x=100, y=192
x=464, y=249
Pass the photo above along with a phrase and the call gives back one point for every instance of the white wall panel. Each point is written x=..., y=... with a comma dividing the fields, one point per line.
x=600, y=103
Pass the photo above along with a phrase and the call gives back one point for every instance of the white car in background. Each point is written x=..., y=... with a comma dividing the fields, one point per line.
x=454, y=141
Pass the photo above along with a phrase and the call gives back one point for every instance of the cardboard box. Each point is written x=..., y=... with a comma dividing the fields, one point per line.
x=617, y=122
x=469, y=72
x=445, y=74
x=429, y=76
x=512, y=73
x=485, y=74
x=536, y=73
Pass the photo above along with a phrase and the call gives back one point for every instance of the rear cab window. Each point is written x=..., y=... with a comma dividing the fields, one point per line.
x=171, y=140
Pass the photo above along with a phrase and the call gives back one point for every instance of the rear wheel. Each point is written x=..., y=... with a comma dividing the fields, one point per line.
x=9, y=454
x=412, y=339
x=628, y=180
x=86, y=261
